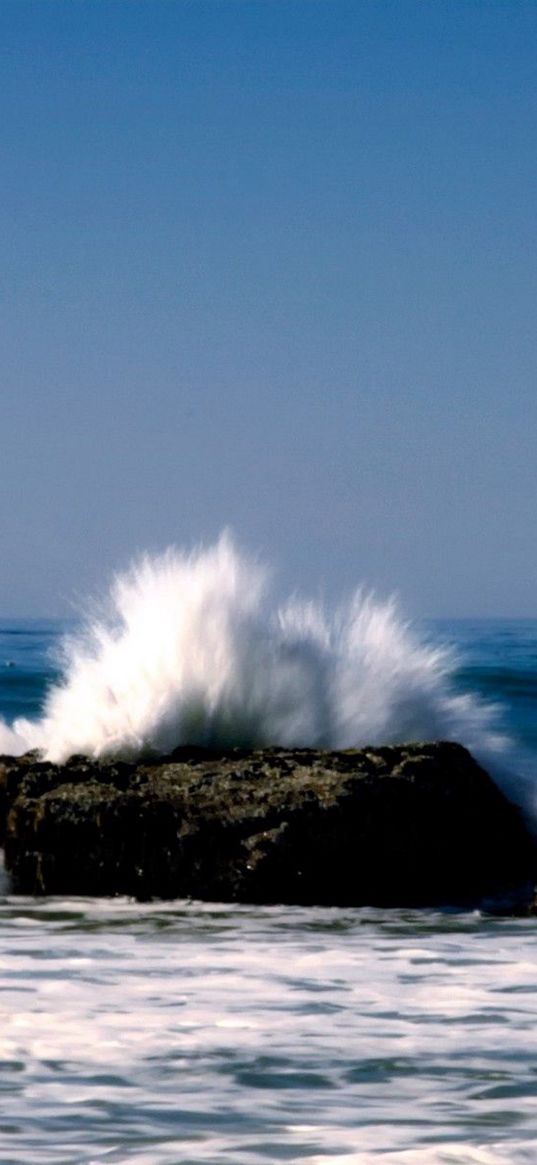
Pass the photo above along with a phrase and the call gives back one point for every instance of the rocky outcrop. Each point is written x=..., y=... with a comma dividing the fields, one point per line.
x=418, y=824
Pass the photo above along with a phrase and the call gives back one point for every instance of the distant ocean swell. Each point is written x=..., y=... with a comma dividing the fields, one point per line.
x=188, y=648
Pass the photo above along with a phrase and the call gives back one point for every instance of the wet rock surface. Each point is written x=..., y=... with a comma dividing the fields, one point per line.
x=416, y=825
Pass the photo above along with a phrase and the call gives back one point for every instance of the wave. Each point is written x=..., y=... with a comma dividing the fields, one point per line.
x=189, y=649
x=509, y=681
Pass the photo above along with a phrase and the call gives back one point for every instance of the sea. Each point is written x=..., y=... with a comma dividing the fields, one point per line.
x=181, y=1033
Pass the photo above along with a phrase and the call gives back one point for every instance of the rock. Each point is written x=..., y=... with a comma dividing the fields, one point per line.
x=416, y=825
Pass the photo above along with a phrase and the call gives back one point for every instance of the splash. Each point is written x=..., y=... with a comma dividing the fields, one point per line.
x=190, y=650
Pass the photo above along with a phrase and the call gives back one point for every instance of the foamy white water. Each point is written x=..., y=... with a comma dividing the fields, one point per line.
x=186, y=1033
x=189, y=649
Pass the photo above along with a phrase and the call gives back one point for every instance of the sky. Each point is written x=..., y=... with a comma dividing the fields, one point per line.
x=270, y=266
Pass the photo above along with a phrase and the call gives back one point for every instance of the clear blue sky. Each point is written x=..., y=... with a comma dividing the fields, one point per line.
x=271, y=265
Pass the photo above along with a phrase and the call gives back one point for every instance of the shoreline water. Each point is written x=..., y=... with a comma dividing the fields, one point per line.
x=191, y=1032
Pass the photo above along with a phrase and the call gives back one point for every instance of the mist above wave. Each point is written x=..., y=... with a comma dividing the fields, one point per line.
x=189, y=649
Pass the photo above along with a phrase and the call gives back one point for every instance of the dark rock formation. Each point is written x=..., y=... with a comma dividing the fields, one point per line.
x=418, y=824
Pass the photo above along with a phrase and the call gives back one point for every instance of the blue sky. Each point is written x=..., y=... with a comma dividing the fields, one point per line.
x=271, y=265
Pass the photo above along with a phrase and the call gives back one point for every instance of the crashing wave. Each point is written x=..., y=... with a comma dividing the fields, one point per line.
x=188, y=649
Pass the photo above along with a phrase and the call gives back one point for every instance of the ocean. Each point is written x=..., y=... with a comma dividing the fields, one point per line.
x=181, y=1033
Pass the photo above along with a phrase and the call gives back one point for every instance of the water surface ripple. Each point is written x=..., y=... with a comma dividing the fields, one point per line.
x=160, y=1034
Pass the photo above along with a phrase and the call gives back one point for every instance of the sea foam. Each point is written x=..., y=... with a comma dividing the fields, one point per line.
x=189, y=649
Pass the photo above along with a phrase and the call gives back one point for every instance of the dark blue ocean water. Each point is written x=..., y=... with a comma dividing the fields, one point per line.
x=498, y=660
x=28, y=664
x=182, y=1033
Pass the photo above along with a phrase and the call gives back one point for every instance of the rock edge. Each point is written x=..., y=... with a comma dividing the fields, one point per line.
x=412, y=825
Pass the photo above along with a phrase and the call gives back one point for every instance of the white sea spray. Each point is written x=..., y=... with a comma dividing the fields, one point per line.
x=189, y=649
